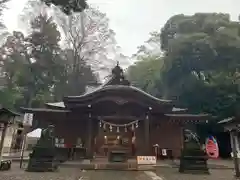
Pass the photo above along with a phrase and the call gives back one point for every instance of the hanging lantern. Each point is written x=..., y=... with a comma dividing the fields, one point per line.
x=132, y=127
x=125, y=128
x=118, y=129
x=136, y=124
x=110, y=127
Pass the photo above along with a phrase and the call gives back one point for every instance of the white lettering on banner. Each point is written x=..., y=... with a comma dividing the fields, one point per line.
x=28, y=119
x=148, y=160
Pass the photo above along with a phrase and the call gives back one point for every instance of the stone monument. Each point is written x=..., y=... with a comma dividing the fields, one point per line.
x=193, y=158
x=43, y=156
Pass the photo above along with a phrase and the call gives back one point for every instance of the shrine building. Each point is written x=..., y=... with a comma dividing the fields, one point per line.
x=116, y=116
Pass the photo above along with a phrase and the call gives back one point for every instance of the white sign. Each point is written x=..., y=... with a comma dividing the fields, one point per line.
x=28, y=119
x=147, y=160
x=164, y=152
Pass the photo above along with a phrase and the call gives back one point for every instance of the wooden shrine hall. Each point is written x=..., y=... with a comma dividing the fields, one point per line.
x=116, y=117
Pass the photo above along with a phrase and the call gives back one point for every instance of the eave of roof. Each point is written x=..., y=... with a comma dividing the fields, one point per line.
x=31, y=110
x=56, y=104
x=176, y=110
x=8, y=111
x=189, y=116
x=114, y=88
x=228, y=121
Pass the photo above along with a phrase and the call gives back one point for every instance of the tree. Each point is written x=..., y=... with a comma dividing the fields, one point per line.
x=90, y=30
x=68, y=6
x=74, y=78
x=201, y=66
x=3, y=30
x=46, y=63
x=89, y=40
x=32, y=64
x=145, y=74
x=12, y=61
x=151, y=47
x=2, y=7
x=88, y=33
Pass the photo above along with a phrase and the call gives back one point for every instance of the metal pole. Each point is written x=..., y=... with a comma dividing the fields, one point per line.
x=22, y=151
x=235, y=155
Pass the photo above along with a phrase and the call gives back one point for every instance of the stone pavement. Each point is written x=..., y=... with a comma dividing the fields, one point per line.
x=216, y=174
x=162, y=173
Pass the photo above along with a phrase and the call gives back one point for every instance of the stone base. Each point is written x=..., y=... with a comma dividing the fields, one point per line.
x=193, y=161
x=5, y=165
x=42, y=165
x=106, y=165
x=117, y=156
x=192, y=164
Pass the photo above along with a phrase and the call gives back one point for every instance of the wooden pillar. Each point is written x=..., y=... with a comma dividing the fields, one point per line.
x=233, y=135
x=182, y=137
x=90, y=137
x=4, y=130
x=147, y=135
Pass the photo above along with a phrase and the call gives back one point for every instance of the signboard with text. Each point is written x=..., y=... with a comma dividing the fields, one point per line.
x=147, y=160
x=28, y=119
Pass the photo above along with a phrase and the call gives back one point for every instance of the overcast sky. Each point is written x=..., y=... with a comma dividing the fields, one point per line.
x=132, y=20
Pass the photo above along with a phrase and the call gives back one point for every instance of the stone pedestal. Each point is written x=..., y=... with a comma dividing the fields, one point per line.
x=193, y=161
x=43, y=157
x=193, y=158
x=42, y=160
x=117, y=156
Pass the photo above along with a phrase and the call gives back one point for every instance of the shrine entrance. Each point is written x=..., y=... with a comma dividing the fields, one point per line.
x=115, y=137
x=105, y=122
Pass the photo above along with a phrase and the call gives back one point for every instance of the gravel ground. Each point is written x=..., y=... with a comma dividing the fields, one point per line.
x=173, y=174
x=76, y=174
x=72, y=174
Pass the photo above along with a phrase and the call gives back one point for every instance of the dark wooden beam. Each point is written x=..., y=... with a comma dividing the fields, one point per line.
x=147, y=135
x=90, y=137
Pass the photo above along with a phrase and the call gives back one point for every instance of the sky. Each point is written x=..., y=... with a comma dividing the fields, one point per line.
x=132, y=20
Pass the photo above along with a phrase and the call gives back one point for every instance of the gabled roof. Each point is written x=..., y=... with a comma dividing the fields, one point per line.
x=117, y=85
x=114, y=89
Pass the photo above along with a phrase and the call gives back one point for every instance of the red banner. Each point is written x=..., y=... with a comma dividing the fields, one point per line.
x=212, y=149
